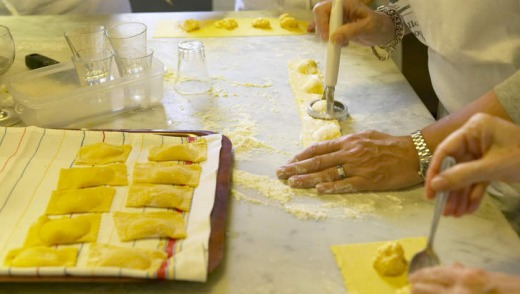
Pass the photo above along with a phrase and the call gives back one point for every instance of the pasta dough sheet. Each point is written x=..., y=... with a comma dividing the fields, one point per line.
x=102, y=153
x=172, y=29
x=41, y=256
x=355, y=262
x=96, y=199
x=167, y=173
x=159, y=224
x=194, y=152
x=63, y=230
x=164, y=196
x=82, y=177
x=104, y=255
x=307, y=85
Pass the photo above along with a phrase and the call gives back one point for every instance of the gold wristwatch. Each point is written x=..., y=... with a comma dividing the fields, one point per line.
x=423, y=151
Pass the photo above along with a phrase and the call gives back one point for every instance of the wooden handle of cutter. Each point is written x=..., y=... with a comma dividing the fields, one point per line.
x=333, y=51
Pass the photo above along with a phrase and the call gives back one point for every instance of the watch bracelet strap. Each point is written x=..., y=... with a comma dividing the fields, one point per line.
x=423, y=151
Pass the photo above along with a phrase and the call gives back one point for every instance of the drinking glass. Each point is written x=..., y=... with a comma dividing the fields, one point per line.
x=7, y=53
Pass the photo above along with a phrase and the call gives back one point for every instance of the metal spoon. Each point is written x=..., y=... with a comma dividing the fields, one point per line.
x=427, y=257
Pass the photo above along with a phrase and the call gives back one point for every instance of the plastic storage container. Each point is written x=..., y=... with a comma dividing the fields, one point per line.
x=52, y=96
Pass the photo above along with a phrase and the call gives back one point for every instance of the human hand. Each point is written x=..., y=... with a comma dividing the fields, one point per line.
x=486, y=149
x=451, y=279
x=372, y=161
x=361, y=24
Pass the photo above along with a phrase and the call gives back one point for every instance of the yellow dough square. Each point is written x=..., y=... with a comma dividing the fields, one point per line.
x=63, y=230
x=96, y=199
x=149, y=225
x=82, y=177
x=163, y=196
x=356, y=264
x=41, y=256
x=104, y=255
x=102, y=153
x=194, y=152
x=167, y=173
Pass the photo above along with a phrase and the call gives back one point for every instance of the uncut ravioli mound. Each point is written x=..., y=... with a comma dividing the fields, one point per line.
x=102, y=153
x=103, y=255
x=96, y=199
x=41, y=257
x=194, y=152
x=162, y=196
x=167, y=173
x=83, y=177
x=149, y=225
x=63, y=230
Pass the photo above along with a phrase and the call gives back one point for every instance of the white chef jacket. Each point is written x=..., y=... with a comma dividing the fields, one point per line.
x=32, y=7
x=472, y=45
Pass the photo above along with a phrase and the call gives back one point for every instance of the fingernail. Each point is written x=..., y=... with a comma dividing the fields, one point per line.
x=294, y=182
x=281, y=172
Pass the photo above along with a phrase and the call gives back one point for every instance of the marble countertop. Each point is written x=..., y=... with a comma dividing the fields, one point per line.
x=276, y=244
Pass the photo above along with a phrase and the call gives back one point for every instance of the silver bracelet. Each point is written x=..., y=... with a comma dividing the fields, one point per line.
x=399, y=32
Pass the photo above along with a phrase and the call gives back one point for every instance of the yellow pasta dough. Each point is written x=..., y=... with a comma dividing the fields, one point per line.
x=167, y=173
x=41, y=256
x=226, y=23
x=63, y=230
x=148, y=225
x=190, y=25
x=96, y=199
x=194, y=152
x=82, y=177
x=261, y=23
x=164, y=196
x=288, y=22
x=103, y=255
x=102, y=153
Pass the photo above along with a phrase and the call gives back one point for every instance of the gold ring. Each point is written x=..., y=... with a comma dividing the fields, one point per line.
x=341, y=172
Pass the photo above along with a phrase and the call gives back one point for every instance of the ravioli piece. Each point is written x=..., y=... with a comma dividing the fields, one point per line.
x=190, y=25
x=163, y=196
x=102, y=153
x=41, y=257
x=63, y=230
x=167, y=173
x=226, y=23
x=148, y=225
x=82, y=177
x=96, y=199
x=104, y=255
x=194, y=152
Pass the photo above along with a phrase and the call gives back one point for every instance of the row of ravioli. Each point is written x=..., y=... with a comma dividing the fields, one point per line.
x=85, y=191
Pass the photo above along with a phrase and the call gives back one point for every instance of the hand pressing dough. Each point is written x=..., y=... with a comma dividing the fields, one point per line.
x=63, y=230
x=96, y=199
x=162, y=196
x=149, y=225
x=190, y=25
x=41, y=257
x=102, y=153
x=167, y=173
x=226, y=23
x=104, y=255
x=195, y=152
x=82, y=177
x=389, y=259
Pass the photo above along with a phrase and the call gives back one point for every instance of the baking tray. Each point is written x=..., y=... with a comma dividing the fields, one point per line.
x=218, y=217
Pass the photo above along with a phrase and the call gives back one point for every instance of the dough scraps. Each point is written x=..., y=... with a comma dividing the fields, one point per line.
x=104, y=255
x=162, y=196
x=167, y=173
x=149, y=225
x=195, y=152
x=307, y=85
x=63, y=230
x=355, y=262
x=82, y=177
x=102, y=153
x=41, y=256
x=96, y=199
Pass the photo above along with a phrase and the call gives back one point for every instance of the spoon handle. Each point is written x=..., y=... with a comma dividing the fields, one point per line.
x=440, y=201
